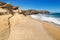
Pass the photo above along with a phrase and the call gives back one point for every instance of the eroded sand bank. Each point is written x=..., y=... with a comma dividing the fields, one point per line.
x=26, y=28
x=4, y=27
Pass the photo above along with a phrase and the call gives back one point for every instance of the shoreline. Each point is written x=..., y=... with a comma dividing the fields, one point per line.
x=47, y=18
x=52, y=28
x=57, y=25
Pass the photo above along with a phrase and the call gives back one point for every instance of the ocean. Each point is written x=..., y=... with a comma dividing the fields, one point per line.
x=52, y=17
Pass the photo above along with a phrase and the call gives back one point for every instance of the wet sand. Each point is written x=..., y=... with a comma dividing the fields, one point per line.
x=52, y=29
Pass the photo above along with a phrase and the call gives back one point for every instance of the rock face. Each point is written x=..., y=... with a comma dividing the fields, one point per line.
x=7, y=9
x=10, y=9
x=15, y=8
x=8, y=6
x=43, y=12
x=2, y=3
x=30, y=12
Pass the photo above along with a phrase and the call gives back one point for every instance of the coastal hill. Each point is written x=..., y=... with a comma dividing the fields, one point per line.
x=7, y=8
x=12, y=9
x=16, y=24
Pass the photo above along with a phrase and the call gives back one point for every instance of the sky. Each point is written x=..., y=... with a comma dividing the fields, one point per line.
x=50, y=5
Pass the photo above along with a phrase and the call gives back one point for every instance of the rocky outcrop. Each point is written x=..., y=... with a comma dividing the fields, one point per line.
x=43, y=12
x=7, y=6
x=31, y=12
x=15, y=7
x=10, y=9
x=2, y=3
x=7, y=9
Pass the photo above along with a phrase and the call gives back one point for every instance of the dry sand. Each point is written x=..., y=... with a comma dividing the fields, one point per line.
x=4, y=27
x=26, y=28
x=52, y=29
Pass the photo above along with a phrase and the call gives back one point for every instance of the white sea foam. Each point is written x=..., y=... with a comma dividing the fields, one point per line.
x=46, y=18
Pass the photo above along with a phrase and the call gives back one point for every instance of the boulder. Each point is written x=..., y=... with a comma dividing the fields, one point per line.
x=22, y=12
x=15, y=7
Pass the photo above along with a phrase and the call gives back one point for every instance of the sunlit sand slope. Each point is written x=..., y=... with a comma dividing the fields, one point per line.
x=26, y=28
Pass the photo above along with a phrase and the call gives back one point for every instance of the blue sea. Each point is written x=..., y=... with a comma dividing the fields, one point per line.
x=52, y=17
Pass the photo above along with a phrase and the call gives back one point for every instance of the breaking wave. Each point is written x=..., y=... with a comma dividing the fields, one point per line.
x=48, y=18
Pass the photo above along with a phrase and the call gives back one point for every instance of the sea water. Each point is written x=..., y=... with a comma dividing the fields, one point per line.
x=52, y=17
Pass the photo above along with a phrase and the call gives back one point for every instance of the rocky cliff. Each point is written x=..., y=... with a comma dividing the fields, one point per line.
x=7, y=9
x=30, y=12
x=10, y=9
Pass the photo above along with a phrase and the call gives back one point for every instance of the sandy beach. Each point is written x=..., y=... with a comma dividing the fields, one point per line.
x=52, y=29
x=27, y=28
x=16, y=22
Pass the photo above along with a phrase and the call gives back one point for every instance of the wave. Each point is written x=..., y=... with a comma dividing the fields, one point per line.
x=46, y=18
